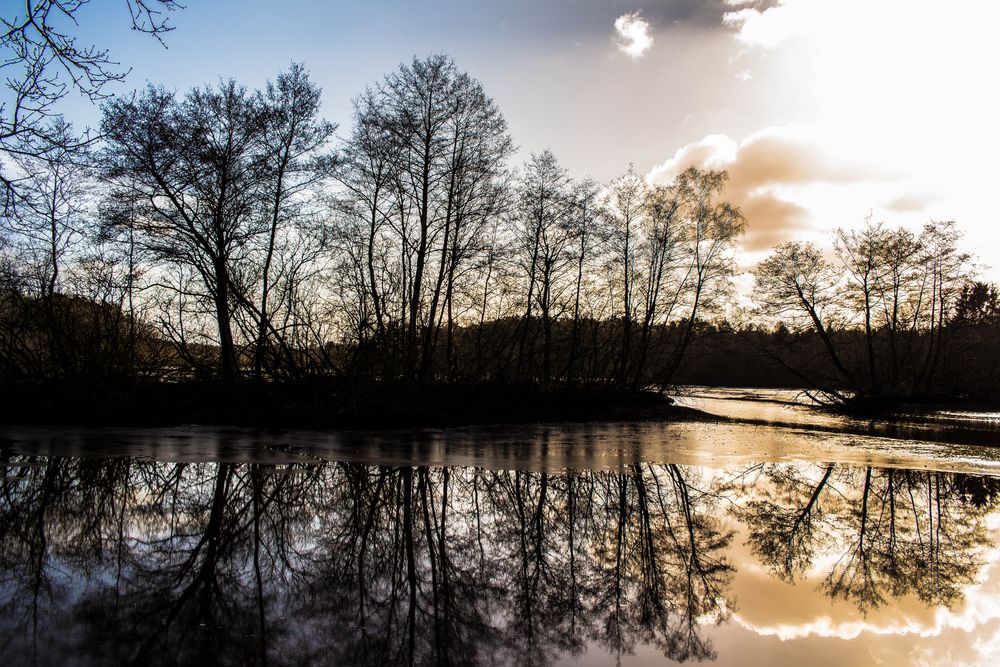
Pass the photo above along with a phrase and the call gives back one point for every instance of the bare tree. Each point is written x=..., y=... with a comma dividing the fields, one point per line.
x=797, y=281
x=624, y=207
x=43, y=62
x=52, y=217
x=426, y=167
x=660, y=259
x=586, y=230
x=54, y=193
x=714, y=226
x=366, y=171
x=294, y=167
x=544, y=207
x=861, y=253
x=194, y=169
x=946, y=268
x=892, y=297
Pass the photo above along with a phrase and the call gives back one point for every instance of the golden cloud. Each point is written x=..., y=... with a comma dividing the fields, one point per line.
x=763, y=170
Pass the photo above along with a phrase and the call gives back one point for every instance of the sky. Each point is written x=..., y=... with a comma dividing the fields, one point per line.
x=824, y=112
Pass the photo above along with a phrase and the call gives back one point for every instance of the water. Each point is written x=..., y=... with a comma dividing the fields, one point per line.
x=738, y=544
x=794, y=408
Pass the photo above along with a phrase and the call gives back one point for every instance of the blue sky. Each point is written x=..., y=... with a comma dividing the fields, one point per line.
x=553, y=67
x=823, y=111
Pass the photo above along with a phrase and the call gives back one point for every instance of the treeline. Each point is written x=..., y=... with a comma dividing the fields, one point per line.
x=230, y=234
x=783, y=357
x=233, y=226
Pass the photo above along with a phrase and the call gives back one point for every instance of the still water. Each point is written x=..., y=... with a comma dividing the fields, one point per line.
x=638, y=544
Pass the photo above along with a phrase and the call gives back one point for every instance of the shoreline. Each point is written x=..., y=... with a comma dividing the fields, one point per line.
x=331, y=406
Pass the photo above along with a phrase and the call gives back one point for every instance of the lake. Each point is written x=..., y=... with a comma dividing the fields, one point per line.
x=797, y=538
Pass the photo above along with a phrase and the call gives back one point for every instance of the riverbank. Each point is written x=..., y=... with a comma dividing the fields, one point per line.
x=330, y=405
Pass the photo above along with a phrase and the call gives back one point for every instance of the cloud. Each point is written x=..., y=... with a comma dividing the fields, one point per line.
x=767, y=27
x=634, y=37
x=977, y=614
x=766, y=170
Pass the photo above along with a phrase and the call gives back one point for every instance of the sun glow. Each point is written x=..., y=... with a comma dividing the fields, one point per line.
x=896, y=88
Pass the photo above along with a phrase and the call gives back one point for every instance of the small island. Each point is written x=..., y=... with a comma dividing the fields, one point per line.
x=223, y=256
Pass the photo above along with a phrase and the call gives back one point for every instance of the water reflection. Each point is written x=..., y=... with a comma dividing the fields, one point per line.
x=893, y=533
x=127, y=560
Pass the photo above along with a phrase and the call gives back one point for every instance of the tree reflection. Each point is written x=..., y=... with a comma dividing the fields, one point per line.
x=134, y=561
x=786, y=535
x=892, y=532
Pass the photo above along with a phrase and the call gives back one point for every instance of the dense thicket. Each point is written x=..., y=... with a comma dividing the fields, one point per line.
x=229, y=234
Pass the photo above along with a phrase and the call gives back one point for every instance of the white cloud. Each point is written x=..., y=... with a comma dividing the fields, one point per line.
x=978, y=613
x=634, y=37
x=764, y=28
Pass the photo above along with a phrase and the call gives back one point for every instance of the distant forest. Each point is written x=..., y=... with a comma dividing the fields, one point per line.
x=233, y=236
